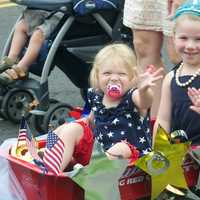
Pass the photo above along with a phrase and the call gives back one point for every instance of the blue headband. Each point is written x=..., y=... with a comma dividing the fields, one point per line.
x=189, y=7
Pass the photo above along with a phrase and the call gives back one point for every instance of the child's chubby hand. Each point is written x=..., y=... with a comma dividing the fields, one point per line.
x=150, y=77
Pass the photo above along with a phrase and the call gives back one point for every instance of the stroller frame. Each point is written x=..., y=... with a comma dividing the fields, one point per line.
x=38, y=90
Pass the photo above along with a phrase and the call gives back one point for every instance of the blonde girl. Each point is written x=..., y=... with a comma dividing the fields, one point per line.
x=120, y=100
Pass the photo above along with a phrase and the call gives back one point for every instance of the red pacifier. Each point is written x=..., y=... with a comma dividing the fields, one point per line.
x=114, y=91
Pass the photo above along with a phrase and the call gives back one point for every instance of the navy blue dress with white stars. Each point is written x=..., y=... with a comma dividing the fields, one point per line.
x=120, y=123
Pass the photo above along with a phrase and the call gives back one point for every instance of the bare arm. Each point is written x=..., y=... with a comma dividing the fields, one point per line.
x=164, y=112
x=143, y=96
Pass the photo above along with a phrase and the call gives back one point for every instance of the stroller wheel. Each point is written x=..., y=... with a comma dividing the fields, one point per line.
x=3, y=91
x=56, y=115
x=15, y=104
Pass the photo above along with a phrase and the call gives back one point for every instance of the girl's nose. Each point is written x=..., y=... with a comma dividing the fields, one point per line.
x=190, y=44
x=114, y=77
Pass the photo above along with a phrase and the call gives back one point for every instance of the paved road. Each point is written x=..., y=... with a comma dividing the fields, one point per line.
x=66, y=92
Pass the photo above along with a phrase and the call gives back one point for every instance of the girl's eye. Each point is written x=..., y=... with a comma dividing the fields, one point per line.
x=106, y=73
x=122, y=74
x=183, y=38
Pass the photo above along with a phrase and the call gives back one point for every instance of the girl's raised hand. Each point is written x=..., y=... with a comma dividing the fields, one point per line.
x=194, y=95
x=150, y=77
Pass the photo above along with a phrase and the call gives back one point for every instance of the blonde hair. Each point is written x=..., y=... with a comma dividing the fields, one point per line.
x=114, y=52
x=182, y=17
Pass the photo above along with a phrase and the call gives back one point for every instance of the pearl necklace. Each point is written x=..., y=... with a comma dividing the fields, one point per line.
x=187, y=82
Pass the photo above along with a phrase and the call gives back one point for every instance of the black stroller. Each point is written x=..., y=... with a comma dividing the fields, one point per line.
x=89, y=27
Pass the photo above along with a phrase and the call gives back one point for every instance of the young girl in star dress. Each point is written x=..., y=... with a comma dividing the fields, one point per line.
x=175, y=110
x=120, y=101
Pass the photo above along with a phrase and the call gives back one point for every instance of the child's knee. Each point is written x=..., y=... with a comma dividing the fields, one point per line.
x=21, y=26
x=38, y=35
x=70, y=132
x=121, y=149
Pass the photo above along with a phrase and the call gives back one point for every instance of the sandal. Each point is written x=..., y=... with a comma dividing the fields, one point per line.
x=11, y=75
x=6, y=63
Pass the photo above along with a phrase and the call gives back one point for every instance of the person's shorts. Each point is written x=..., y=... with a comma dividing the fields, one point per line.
x=39, y=19
x=147, y=15
x=83, y=150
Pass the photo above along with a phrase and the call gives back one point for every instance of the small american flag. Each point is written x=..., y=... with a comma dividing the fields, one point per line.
x=30, y=142
x=53, y=154
x=26, y=136
x=22, y=131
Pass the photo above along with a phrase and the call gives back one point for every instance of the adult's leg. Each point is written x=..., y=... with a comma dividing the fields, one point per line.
x=70, y=134
x=148, y=45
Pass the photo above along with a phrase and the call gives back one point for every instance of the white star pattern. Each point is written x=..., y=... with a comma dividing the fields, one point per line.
x=100, y=136
x=101, y=111
x=110, y=134
x=94, y=108
x=148, y=130
x=115, y=121
x=138, y=127
x=105, y=127
x=122, y=132
x=130, y=124
x=101, y=144
x=142, y=140
x=135, y=110
x=145, y=151
x=96, y=97
x=128, y=116
x=141, y=119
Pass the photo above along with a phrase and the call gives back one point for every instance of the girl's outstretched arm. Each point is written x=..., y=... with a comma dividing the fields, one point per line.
x=194, y=95
x=143, y=96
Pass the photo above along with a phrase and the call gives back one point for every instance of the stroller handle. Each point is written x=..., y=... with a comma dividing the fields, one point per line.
x=46, y=4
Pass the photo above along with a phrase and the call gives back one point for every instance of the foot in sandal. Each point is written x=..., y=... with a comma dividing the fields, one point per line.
x=6, y=63
x=11, y=75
